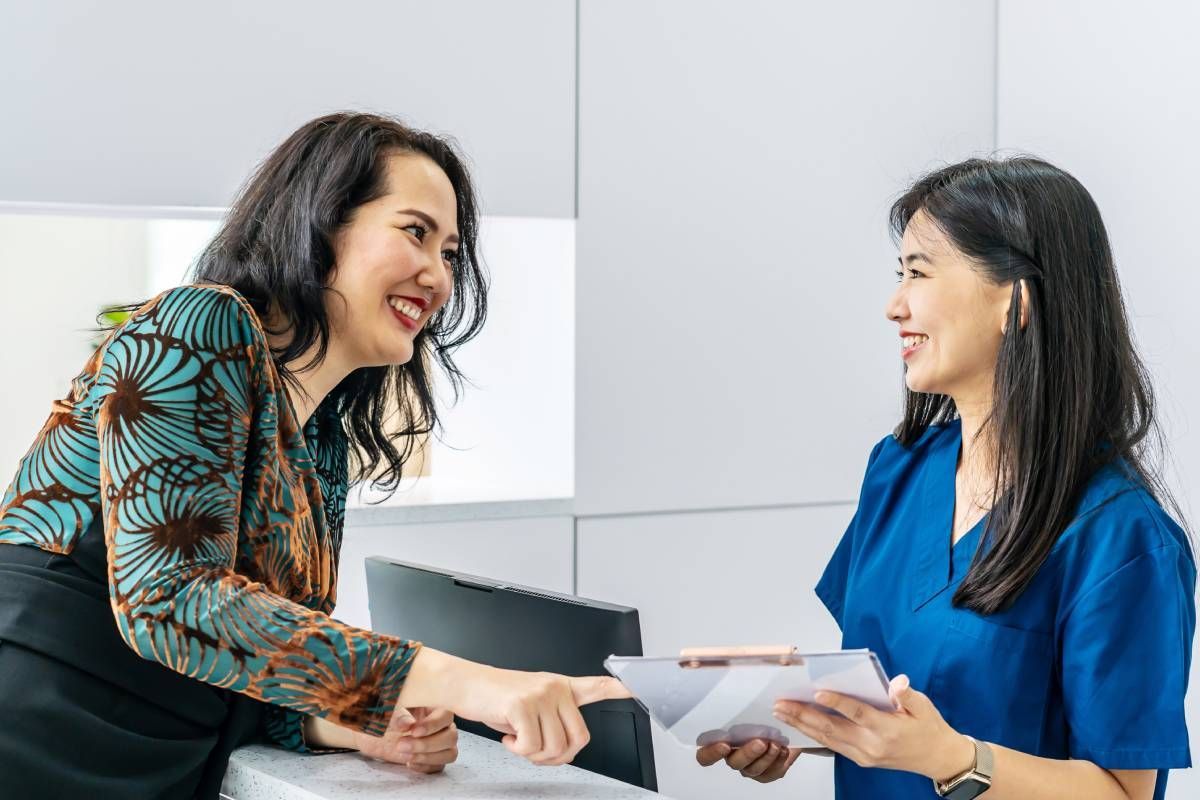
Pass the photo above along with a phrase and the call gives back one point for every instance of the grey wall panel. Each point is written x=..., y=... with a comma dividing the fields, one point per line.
x=534, y=552
x=719, y=578
x=736, y=167
x=149, y=103
x=1107, y=90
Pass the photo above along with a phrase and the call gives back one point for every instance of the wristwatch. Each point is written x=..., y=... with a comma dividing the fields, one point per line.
x=973, y=782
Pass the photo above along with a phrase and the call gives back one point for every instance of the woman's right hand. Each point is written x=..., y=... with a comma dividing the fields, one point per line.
x=757, y=759
x=537, y=711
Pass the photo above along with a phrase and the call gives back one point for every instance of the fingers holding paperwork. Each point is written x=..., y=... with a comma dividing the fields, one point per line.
x=712, y=753
x=782, y=764
x=752, y=758
x=757, y=759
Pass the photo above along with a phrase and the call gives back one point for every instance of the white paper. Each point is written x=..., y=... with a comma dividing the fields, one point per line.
x=734, y=701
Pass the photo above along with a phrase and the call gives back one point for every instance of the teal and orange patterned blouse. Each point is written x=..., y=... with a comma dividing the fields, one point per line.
x=222, y=518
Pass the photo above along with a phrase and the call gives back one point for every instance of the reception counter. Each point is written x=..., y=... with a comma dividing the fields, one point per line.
x=484, y=771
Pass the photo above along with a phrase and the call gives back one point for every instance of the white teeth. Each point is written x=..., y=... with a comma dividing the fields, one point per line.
x=913, y=341
x=404, y=307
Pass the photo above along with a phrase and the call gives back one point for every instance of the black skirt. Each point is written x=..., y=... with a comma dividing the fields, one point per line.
x=81, y=714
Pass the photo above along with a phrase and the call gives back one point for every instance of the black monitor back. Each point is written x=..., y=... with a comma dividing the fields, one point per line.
x=519, y=627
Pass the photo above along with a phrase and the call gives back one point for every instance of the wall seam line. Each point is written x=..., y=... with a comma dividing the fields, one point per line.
x=714, y=510
x=575, y=555
x=995, y=77
x=577, y=37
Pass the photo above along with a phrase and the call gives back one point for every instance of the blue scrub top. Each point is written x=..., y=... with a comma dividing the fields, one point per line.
x=1091, y=661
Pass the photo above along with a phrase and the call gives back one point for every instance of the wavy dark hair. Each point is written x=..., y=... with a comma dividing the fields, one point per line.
x=276, y=248
x=1071, y=395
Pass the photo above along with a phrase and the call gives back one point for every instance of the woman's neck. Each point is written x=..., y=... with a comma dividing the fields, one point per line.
x=315, y=382
x=977, y=459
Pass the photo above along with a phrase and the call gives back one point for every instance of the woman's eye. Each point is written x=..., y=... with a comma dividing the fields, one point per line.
x=452, y=257
x=416, y=230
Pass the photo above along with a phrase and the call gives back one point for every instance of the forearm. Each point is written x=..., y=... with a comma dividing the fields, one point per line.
x=1020, y=776
x=436, y=679
x=220, y=627
x=321, y=734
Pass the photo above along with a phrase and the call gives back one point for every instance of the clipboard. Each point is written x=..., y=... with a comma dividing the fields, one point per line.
x=705, y=697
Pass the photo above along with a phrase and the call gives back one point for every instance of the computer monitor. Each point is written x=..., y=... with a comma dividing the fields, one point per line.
x=518, y=627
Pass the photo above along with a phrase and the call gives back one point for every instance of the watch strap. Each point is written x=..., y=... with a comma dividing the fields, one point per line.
x=976, y=780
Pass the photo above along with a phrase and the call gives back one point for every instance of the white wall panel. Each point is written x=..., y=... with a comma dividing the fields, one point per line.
x=150, y=103
x=1108, y=90
x=719, y=578
x=534, y=552
x=57, y=273
x=736, y=167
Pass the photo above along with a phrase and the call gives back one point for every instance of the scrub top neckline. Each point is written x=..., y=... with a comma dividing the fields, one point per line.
x=938, y=563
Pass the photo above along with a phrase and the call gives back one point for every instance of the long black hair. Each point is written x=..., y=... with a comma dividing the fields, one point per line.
x=1071, y=394
x=276, y=248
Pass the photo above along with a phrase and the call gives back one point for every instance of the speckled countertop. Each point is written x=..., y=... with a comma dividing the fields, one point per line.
x=484, y=771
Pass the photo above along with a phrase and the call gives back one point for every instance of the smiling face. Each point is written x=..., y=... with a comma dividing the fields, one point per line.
x=950, y=318
x=394, y=265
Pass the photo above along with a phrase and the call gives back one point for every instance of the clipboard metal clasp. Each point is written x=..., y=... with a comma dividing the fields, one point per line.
x=778, y=655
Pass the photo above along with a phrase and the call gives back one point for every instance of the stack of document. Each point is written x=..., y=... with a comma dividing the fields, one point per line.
x=705, y=699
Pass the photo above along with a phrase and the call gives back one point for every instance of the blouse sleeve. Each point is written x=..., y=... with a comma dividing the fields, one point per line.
x=174, y=405
x=1126, y=650
x=831, y=588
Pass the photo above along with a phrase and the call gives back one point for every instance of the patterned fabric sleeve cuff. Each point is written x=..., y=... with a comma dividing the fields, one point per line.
x=377, y=712
x=284, y=728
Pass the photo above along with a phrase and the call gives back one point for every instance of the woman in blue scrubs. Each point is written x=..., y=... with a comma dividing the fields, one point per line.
x=1010, y=561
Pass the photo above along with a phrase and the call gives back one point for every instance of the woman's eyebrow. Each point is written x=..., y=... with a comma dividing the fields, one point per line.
x=428, y=220
x=911, y=257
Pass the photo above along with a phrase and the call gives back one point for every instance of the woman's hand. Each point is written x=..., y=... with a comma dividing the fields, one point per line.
x=422, y=739
x=914, y=738
x=537, y=711
x=757, y=759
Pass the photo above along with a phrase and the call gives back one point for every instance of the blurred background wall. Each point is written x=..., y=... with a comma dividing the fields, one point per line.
x=696, y=261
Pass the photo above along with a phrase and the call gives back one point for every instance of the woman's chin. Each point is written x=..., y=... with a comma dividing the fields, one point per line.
x=916, y=384
x=392, y=357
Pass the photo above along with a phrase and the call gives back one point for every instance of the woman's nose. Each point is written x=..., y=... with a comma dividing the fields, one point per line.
x=897, y=305
x=435, y=277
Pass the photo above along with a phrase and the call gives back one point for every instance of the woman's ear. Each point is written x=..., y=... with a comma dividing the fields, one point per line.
x=1024, y=288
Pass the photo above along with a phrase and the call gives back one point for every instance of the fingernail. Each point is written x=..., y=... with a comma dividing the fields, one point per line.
x=417, y=731
x=823, y=697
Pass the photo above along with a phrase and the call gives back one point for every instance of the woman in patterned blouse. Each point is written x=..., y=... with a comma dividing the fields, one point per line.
x=172, y=536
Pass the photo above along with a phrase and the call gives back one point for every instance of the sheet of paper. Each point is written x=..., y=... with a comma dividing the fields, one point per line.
x=733, y=701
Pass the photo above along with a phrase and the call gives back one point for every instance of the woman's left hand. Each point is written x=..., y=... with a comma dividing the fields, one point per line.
x=914, y=738
x=424, y=740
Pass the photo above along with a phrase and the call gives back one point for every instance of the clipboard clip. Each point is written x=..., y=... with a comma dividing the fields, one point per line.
x=778, y=655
